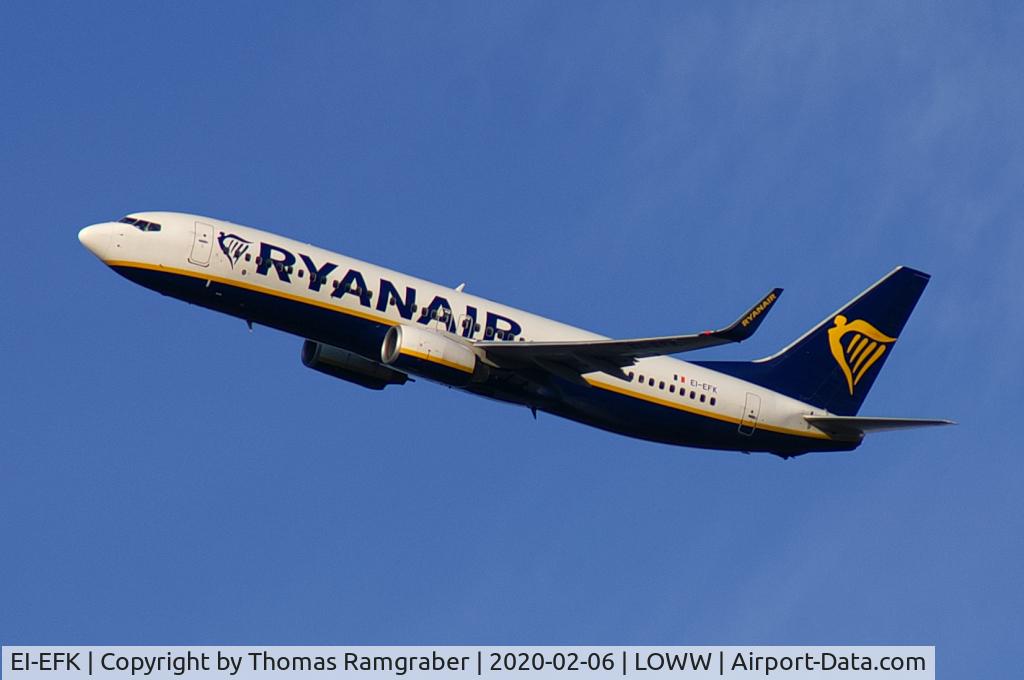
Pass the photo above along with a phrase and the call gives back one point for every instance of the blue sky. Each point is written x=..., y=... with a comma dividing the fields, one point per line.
x=168, y=477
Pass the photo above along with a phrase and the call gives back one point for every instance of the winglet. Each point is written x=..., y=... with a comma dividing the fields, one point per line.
x=744, y=327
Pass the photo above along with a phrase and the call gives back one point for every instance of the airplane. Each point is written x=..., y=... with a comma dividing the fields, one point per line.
x=376, y=327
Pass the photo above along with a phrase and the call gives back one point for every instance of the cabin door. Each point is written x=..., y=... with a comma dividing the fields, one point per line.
x=751, y=411
x=202, y=244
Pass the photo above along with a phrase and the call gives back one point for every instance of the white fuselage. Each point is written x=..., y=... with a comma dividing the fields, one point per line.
x=235, y=262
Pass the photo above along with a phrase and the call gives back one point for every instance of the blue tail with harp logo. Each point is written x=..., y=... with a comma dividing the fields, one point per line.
x=835, y=363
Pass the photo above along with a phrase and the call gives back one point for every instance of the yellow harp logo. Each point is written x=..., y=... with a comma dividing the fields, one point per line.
x=865, y=346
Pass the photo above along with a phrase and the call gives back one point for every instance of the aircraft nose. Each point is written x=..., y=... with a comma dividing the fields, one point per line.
x=96, y=239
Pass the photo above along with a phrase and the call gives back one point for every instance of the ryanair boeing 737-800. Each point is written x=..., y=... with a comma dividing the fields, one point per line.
x=375, y=327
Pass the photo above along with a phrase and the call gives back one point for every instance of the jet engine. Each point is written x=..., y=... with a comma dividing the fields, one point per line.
x=434, y=356
x=340, y=363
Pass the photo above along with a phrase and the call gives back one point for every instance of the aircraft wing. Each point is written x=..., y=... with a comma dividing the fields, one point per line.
x=569, y=359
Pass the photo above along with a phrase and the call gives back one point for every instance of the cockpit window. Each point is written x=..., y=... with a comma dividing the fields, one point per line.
x=141, y=225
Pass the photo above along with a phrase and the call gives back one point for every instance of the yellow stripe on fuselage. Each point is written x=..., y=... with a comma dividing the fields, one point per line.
x=706, y=414
x=203, y=276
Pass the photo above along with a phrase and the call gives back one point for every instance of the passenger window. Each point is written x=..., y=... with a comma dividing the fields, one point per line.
x=628, y=375
x=490, y=332
x=650, y=381
x=302, y=273
x=702, y=397
x=248, y=257
x=693, y=395
x=641, y=377
x=672, y=389
x=712, y=401
x=476, y=328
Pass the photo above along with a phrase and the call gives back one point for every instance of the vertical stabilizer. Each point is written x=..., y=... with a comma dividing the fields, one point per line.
x=834, y=364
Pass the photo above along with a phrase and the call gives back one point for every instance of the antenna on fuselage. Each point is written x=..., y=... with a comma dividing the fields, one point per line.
x=459, y=288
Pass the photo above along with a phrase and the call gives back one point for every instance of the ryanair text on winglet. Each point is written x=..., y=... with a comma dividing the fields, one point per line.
x=756, y=311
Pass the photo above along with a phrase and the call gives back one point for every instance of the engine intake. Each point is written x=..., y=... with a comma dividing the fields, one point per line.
x=432, y=355
x=340, y=363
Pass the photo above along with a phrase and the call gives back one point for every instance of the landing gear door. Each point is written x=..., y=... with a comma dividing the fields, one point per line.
x=751, y=412
x=202, y=244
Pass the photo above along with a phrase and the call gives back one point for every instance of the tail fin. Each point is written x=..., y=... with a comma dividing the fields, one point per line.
x=834, y=364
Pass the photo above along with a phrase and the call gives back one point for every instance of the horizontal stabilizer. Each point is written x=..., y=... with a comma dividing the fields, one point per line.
x=844, y=426
x=585, y=356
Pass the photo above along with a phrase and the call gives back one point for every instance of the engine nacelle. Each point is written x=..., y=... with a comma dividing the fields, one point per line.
x=432, y=355
x=340, y=363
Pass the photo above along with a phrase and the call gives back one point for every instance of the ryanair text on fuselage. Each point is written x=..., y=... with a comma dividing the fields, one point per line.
x=282, y=262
